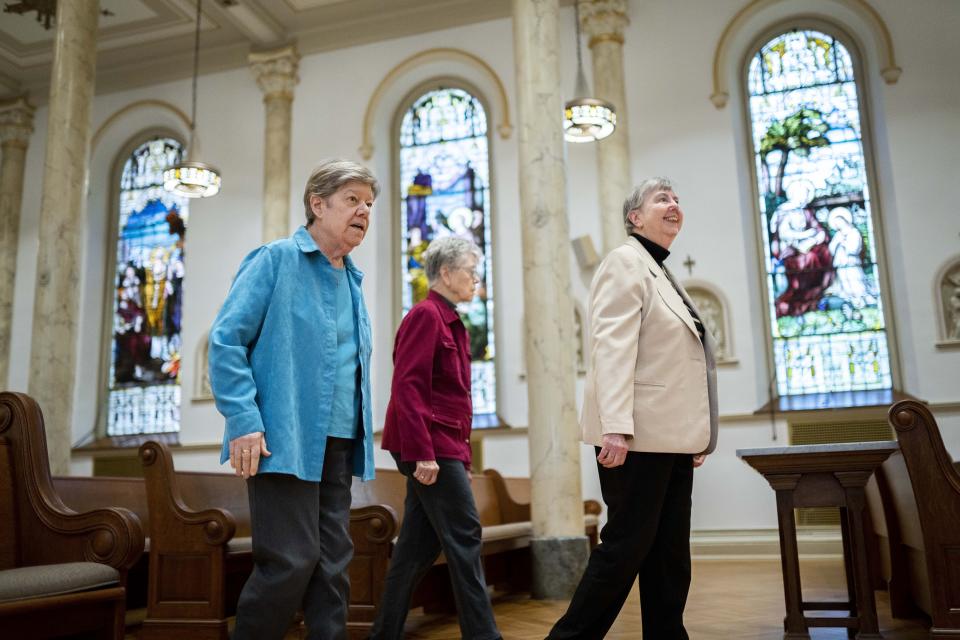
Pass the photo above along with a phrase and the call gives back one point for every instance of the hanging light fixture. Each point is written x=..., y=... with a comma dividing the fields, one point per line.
x=586, y=119
x=191, y=178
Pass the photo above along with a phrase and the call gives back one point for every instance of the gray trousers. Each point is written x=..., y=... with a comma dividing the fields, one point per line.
x=301, y=551
x=442, y=516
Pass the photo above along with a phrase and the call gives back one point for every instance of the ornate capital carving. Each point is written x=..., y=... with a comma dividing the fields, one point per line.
x=603, y=20
x=276, y=71
x=16, y=122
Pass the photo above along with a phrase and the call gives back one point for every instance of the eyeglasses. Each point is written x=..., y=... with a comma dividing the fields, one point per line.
x=472, y=272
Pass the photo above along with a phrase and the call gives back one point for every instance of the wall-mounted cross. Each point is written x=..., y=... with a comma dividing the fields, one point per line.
x=688, y=263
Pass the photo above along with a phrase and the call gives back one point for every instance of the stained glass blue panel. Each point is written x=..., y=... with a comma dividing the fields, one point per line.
x=826, y=306
x=445, y=190
x=148, y=302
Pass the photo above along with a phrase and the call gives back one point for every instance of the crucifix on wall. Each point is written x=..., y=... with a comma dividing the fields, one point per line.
x=688, y=263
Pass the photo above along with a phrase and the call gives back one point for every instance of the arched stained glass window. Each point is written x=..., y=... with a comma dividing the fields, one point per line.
x=445, y=190
x=823, y=286
x=148, y=296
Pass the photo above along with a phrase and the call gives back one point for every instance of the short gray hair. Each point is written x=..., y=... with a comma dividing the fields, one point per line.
x=447, y=252
x=330, y=176
x=640, y=193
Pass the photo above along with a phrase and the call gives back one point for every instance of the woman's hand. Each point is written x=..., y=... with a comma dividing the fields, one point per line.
x=245, y=453
x=614, y=450
x=426, y=471
x=699, y=459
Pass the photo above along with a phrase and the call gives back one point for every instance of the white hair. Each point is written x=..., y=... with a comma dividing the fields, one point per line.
x=640, y=193
x=447, y=252
x=330, y=176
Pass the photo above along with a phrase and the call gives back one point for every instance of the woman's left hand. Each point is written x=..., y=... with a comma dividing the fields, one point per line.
x=699, y=459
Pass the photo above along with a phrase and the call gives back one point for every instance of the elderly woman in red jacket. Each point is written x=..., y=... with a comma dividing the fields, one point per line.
x=427, y=431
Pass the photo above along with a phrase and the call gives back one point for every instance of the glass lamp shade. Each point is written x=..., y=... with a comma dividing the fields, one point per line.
x=192, y=179
x=588, y=119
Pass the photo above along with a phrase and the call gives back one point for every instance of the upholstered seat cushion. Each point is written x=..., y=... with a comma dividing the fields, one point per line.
x=508, y=530
x=39, y=581
x=240, y=545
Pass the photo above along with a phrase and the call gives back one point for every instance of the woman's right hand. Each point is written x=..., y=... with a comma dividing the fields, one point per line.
x=613, y=453
x=245, y=453
x=426, y=471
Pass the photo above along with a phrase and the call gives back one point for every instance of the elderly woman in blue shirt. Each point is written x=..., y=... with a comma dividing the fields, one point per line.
x=290, y=371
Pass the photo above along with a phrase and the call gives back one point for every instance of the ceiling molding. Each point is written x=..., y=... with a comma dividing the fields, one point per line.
x=144, y=52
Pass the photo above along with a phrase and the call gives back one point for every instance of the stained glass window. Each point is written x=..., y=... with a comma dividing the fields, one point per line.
x=823, y=287
x=445, y=190
x=148, y=296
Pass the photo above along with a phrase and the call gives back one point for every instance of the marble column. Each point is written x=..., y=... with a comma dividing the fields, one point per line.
x=559, y=546
x=53, y=355
x=276, y=74
x=16, y=125
x=604, y=21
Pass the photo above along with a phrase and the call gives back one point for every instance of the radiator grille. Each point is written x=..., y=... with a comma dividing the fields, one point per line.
x=827, y=432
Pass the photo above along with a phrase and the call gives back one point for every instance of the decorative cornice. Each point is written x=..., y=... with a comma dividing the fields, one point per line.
x=427, y=57
x=890, y=72
x=16, y=122
x=276, y=71
x=603, y=20
x=149, y=103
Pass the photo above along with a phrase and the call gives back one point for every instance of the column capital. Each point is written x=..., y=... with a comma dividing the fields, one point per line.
x=276, y=71
x=16, y=122
x=603, y=20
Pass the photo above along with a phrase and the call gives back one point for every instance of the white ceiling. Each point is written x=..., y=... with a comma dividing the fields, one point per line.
x=150, y=41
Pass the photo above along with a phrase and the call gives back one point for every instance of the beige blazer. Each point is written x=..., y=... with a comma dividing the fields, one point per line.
x=649, y=375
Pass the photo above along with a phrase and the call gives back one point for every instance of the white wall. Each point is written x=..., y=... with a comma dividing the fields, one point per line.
x=675, y=131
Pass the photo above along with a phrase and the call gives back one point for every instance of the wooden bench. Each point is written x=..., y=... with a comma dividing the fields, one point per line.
x=59, y=568
x=190, y=600
x=920, y=496
x=515, y=498
x=201, y=553
x=932, y=560
x=506, y=533
x=86, y=493
x=899, y=556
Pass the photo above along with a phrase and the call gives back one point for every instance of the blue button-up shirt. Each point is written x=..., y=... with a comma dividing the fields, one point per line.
x=273, y=356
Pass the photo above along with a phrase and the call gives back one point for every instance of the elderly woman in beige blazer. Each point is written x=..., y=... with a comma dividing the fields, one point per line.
x=650, y=409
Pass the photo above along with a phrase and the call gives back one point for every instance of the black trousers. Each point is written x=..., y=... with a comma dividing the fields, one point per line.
x=442, y=516
x=647, y=535
x=301, y=551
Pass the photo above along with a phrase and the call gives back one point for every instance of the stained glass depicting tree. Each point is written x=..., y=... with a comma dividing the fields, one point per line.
x=445, y=191
x=147, y=296
x=826, y=307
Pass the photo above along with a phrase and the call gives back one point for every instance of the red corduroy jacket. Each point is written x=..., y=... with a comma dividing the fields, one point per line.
x=430, y=410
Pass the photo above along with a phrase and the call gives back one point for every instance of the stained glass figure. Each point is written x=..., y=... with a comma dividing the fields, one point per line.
x=445, y=190
x=148, y=302
x=826, y=307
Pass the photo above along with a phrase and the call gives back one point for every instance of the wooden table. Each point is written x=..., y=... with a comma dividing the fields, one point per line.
x=824, y=475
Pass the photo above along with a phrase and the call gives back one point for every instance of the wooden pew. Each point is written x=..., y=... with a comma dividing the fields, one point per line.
x=200, y=551
x=506, y=533
x=900, y=553
x=86, y=493
x=59, y=569
x=190, y=580
x=921, y=499
x=505, y=549
x=515, y=498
